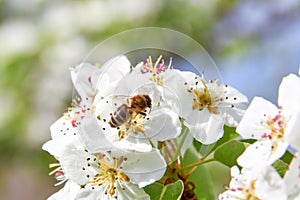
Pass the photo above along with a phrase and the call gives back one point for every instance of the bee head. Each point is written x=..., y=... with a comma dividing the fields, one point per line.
x=148, y=100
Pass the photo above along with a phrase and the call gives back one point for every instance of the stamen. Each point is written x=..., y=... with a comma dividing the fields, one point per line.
x=203, y=99
x=58, y=168
x=110, y=175
x=134, y=125
x=155, y=69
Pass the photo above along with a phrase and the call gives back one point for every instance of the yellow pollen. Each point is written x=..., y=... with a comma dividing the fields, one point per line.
x=157, y=79
x=276, y=125
x=110, y=174
x=134, y=125
x=203, y=99
x=250, y=192
x=153, y=69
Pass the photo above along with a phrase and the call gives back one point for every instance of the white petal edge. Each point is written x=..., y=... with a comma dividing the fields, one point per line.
x=258, y=110
x=144, y=168
x=289, y=94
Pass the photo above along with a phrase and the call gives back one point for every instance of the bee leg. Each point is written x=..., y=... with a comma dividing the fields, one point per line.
x=143, y=113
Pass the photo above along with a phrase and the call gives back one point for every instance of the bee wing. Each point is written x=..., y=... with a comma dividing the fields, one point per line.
x=118, y=100
x=120, y=106
x=120, y=110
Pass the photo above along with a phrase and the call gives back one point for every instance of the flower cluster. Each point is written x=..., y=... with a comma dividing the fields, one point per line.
x=128, y=124
x=276, y=134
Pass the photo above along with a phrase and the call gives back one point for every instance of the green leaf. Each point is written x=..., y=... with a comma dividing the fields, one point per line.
x=154, y=190
x=248, y=141
x=229, y=134
x=287, y=157
x=229, y=152
x=204, y=188
x=159, y=191
x=281, y=167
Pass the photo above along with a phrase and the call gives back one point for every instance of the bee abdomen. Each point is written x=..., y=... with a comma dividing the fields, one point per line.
x=120, y=116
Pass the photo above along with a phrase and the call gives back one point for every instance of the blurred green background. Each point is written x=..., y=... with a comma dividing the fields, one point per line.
x=254, y=43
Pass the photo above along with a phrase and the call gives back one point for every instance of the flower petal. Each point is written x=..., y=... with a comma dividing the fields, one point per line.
x=208, y=131
x=164, y=124
x=144, y=168
x=116, y=68
x=125, y=192
x=111, y=72
x=69, y=191
x=78, y=165
x=256, y=155
x=249, y=184
x=270, y=185
x=250, y=125
x=175, y=91
x=289, y=94
x=84, y=78
x=261, y=154
x=93, y=137
x=292, y=131
x=292, y=176
x=234, y=96
x=63, y=133
x=63, y=129
x=233, y=116
x=132, y=191
x=134, y=143
x=90, y=192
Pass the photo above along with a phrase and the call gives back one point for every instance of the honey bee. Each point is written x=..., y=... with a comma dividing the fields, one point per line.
x=135, y=105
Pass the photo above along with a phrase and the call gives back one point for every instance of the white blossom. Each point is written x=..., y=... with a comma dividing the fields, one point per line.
x=69, y=191
x=212, y=105
x=288, y=100
x=67, y=130
x=138, y=129
x=292, y=177
x=167, y=81
x=206, y=107
x=63, y=132
x=247, y=184
x=289, y=95
x=273, y=128
x=90, y=81
x=112, y=173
